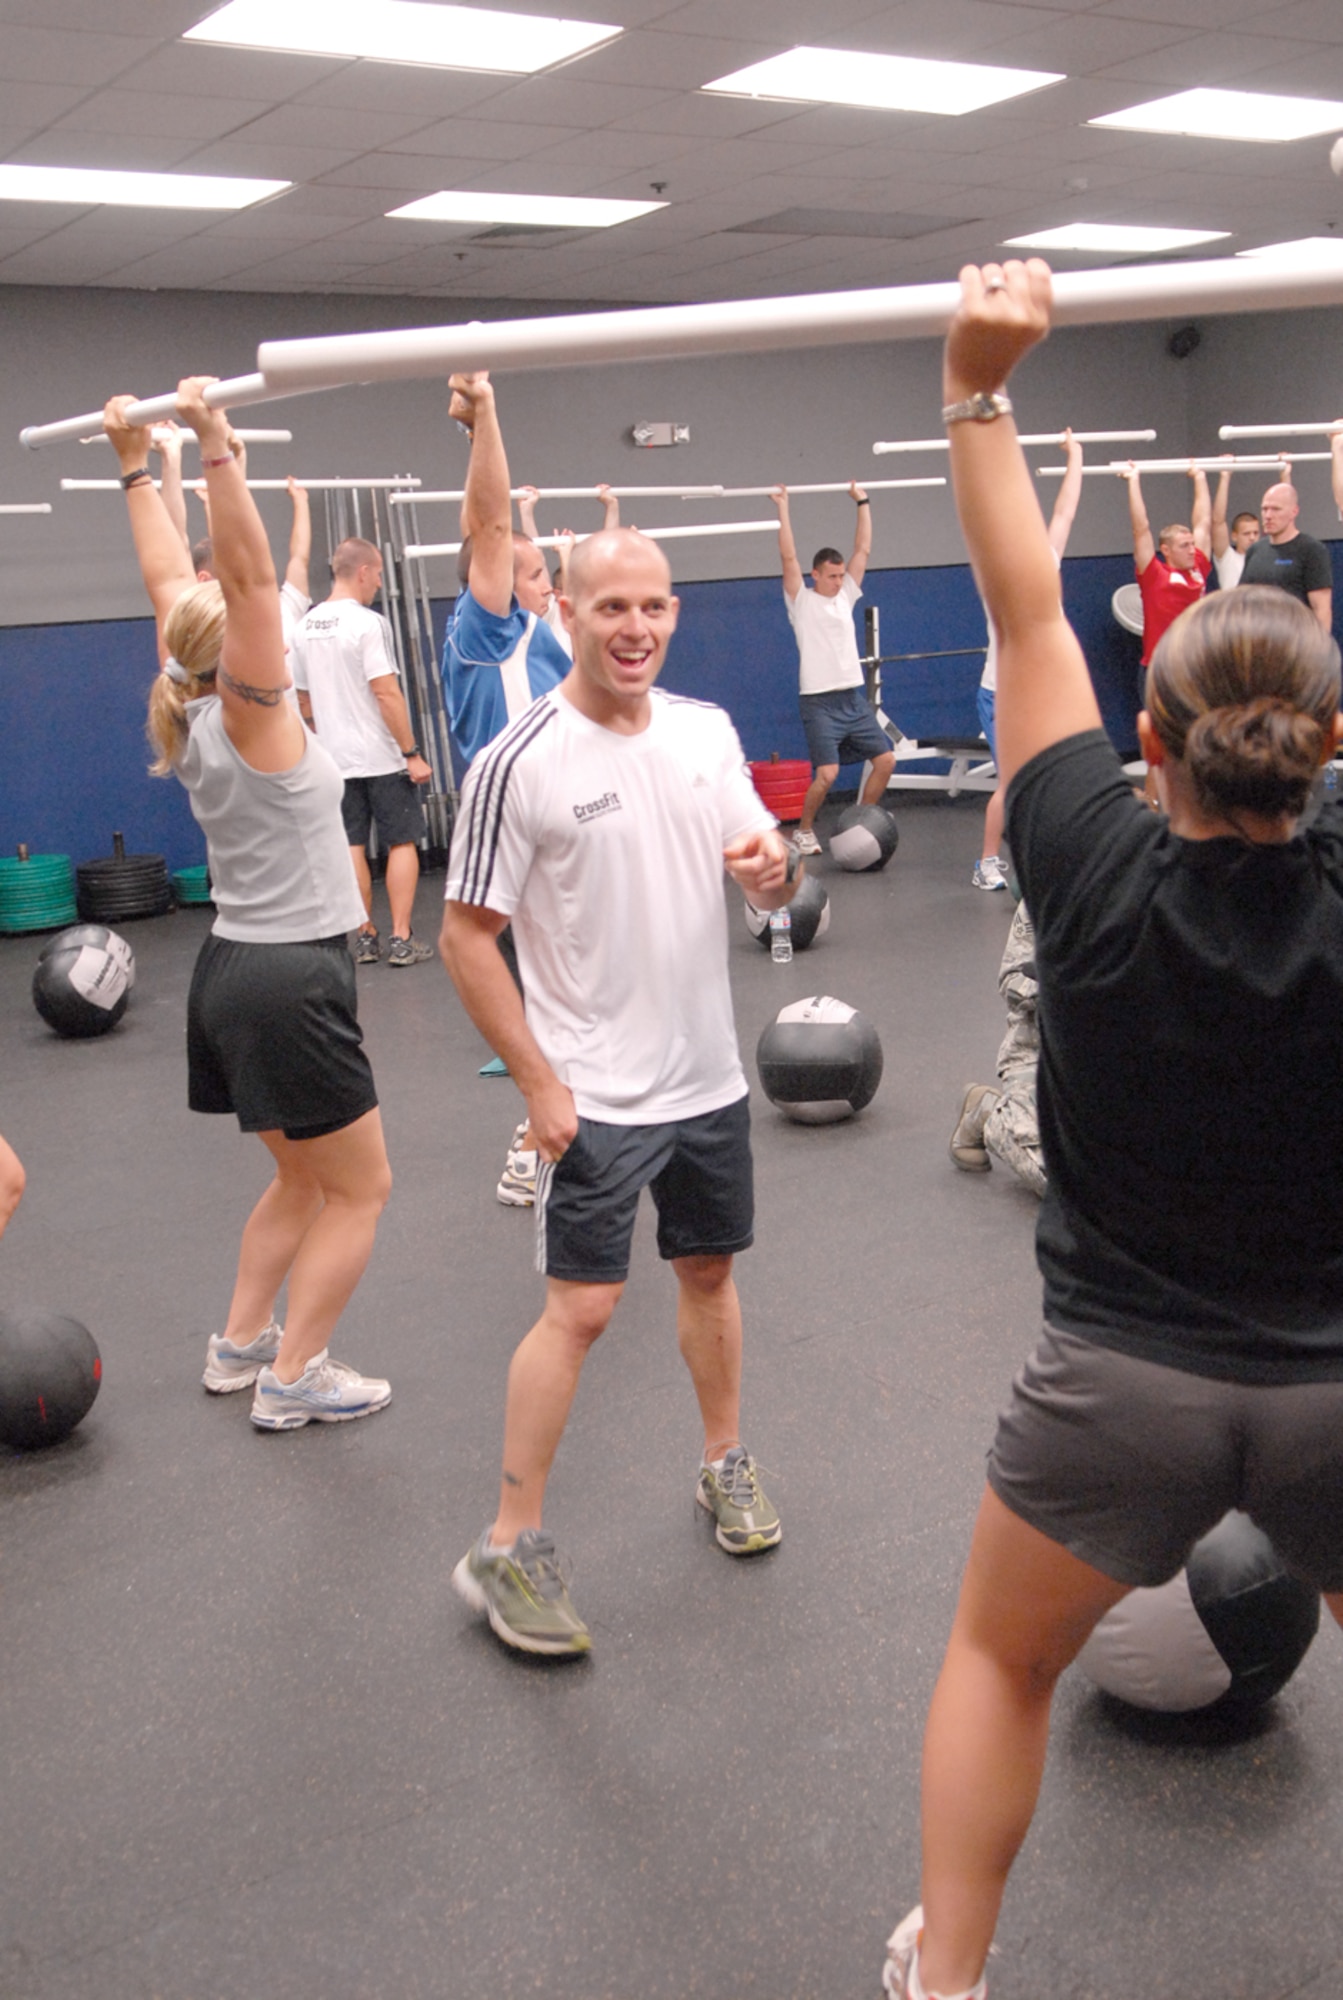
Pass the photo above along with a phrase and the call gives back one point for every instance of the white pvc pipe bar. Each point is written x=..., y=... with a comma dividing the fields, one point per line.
x=188, y=436
x=654, y=534
x=255, y=485
x=584, y=493
x=26, y=507
x=233, y=394
x=756, y=326
x=1280, y=430
x=1118, y=466
x=1043, y=437
x=831, y=486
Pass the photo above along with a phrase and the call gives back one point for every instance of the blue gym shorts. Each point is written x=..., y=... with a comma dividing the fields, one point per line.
x=842, y=728
x=700, y=1174
x=1126, y=1463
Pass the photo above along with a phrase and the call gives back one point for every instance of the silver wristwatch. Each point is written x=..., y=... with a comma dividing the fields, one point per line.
x=978, y=409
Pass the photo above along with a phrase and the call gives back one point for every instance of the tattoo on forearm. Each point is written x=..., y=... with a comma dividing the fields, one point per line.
x=264, y=697
x=511, y=1478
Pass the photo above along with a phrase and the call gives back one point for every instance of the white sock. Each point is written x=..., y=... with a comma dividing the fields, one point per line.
x=918, y=1991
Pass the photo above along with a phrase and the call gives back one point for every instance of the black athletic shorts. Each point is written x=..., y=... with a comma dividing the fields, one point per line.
x=1126, y=1463
x=390, y=802
x=272, y=1035
x=701, y=1178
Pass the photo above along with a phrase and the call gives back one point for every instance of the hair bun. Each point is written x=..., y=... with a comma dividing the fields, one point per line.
x=1257, y=756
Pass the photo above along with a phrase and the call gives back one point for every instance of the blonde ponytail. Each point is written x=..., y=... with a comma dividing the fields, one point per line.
x=194, y=634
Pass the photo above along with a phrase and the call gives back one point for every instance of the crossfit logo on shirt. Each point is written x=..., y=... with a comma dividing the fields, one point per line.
x=609, y=802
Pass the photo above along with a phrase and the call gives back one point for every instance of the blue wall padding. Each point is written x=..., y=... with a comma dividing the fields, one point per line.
x=72, y=697
x=73, y=749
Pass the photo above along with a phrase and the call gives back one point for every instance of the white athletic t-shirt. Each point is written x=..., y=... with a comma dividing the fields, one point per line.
x=554, y=618
x=607, y=853
x=1229, y=566
x=337, y=650
x=827, y=643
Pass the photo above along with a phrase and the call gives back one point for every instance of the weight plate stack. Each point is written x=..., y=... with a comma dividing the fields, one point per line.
x=192, y=885
x=127, y=885
x=37, y=892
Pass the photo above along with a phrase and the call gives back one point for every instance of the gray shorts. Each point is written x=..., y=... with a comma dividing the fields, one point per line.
x=700, y=1174
x=1126, y=1463
x=391, y=802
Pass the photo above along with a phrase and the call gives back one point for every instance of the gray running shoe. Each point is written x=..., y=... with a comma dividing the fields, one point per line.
x=327, y=1392
x=408, y=951
x=732, y=1493
x=522, y=1593
x=228, y=1367
x=517, y=1185
x=367, y=950
x=967, y=1146
x=804, y=841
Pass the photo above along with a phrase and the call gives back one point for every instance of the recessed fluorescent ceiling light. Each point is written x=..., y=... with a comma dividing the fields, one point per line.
x=553, y=211
x=1305, y=250
x=1113, y=237
x=87, y=185
x=403, y=31
x=1230, y=114
x=882, y=83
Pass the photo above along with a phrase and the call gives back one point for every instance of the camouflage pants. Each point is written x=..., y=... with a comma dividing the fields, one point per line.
x=1012, y=1130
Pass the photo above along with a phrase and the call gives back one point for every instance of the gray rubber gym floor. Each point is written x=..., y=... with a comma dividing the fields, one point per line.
x=254, y=1749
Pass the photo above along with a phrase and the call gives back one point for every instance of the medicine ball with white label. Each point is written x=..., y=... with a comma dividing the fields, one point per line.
x=97, y=934
x=82, y=989
x=819, y=1060
x=809, y=916
x=865, y=839
x=1219, y=1639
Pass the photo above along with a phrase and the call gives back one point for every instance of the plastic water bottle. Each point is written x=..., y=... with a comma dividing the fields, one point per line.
x=781, y=937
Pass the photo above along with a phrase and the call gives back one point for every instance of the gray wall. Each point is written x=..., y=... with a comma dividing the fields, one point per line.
x=794, y=416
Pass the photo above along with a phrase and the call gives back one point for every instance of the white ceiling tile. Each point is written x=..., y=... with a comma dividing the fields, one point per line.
x=1220, y=60
x=960, y=30
x=784, y=23
x=397, y=88
x=403, y=176
x=611, y=152
x=319, y=125
x=661, y=61
x=133, y=151
x=50, y=55
x=1087, y=43
x=482, y=139
x=563, y=98
x=165, y=114
x=200, y=71
x=27, y=106
x=235, y=155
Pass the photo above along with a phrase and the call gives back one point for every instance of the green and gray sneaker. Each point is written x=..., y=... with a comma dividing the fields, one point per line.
x=730, y=1490
x=522, y=1593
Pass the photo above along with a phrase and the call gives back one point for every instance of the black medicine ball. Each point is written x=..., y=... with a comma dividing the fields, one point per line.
x=809, y=916
x=50, y=1370
x=819, y=1061
x=94, y=934
x=865, y=839
x=82, y=989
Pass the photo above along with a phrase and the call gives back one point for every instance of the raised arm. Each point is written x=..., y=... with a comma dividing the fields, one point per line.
x=527, y=499
x=487, y=510
x=164, y=559
x=1070, y=493
x=1200, y=519
x=1144, y=548
x=167, y=442
x=792, y=568
x=862, y=533
x=1221, y=534
x=252, y=674
x=1044, y=690
x=610, y=507
x=300, y=538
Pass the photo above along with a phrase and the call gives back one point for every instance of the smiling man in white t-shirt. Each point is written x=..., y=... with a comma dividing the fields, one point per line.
x=840, y=722
x=605, y=805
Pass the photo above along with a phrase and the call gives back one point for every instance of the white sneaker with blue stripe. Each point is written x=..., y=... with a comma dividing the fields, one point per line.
x=327, y=1392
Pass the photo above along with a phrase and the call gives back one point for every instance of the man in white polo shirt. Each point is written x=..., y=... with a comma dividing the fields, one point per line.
x=350, y=693
x=601, y=807
x=841, y=725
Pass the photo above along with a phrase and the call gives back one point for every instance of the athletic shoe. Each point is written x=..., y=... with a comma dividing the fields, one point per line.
x=327, y=1392
x=522, y=1592
x=732, y=1493
x=367, y=950
x=408, y=951
x=989, y=873
x=517, y=1188
x=496, y=1066
x=228, y=1367
x=967, y=1146
x=902, y=1951
x=804, y=841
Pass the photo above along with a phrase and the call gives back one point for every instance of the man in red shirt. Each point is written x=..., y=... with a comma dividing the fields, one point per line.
x=1173, y=571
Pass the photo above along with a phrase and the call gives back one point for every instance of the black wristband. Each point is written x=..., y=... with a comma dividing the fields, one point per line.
x=864, y=502
x=414, y=751
x=129, y=479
